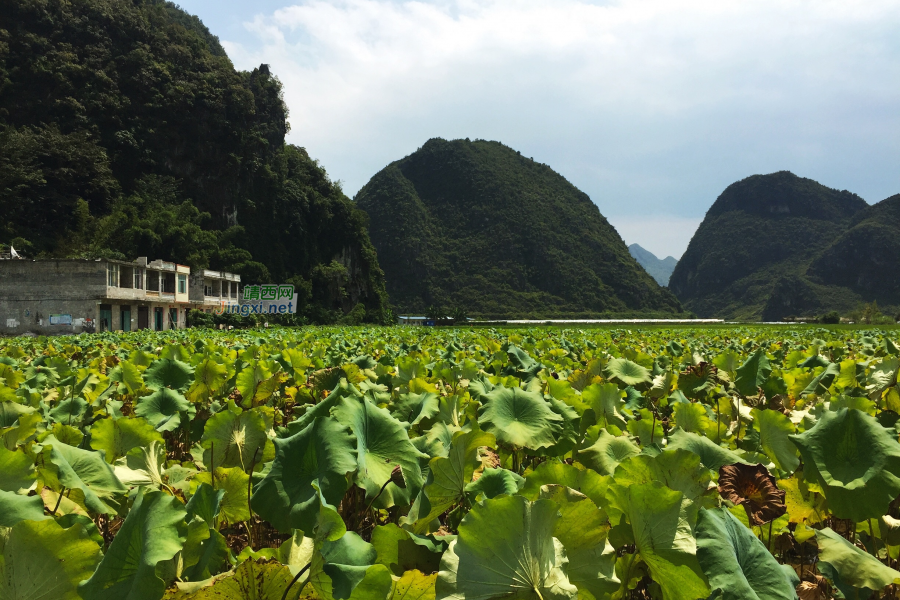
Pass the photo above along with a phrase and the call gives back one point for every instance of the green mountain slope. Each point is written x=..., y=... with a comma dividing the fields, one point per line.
x=475, y=225
x=659, y=269
x=750, y=255
x=866, y=257
x=125, y=130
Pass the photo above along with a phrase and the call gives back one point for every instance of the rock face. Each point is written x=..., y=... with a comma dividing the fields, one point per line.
x=659, y=269
x=477, y=226
x=749, y=257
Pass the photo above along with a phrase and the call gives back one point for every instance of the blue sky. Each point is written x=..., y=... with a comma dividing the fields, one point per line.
x=651, y=107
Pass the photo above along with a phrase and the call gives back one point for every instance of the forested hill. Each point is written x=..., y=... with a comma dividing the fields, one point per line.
x=125, y=130
x=476, y=227
x=766, y=250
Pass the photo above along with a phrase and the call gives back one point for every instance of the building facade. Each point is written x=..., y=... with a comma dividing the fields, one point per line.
x=64, y=296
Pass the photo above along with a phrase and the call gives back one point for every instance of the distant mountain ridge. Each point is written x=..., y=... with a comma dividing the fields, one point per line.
x=475, y=225
x=659, y=269
x=779, y=245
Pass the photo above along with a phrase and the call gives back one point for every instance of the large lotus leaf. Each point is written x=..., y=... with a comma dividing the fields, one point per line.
x=69, y=411
x=323, y=454
x=252, y=580
x=821, y=382
x=774, y=429
x=163, y=409
x=143, y=467
x=448, y=477
x=42, y=560
x=16, y=507
x=736, y=563
x=206, y=558
x=400, y=550
x=690, y=416
x=153, y=532
x=575, y=477
x=582, y=529
x=627, y=372
x=854, y=572
x=236, y=438
x=209, y=379
x=234, y=482
x=677, y=469
x=382, y=443
x=856, y=461
x=506, y=548
x=11, y=409
x=205, y=503
x=751, y=375
x=803, y=505
x=607, y=453
x=16, y=470
x=86, y=471
x=115, y=437
x=323, y=408
x=662, y=525
x=519, y=418
x=341, y=565
x=523, y=362
x=414, y=585
x=494, y=482
x=128, y=375
x=412, y=408
x=169, y=373
x=711, y=454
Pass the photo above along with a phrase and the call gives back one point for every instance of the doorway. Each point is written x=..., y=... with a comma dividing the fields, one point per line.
x=105, y=317
x=158, y=318
x=126, y=318
x=143, y=317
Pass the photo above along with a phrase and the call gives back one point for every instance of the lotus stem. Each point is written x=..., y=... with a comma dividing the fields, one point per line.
x=294, y=580
x=58, y=501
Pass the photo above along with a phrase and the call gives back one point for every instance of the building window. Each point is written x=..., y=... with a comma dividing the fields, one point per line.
x=182, y=284
x=138, y=279
x=112, y=275
x=207, y=288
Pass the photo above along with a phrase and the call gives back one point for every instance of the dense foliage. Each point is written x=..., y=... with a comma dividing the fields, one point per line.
x=477, y=226
x=126, y=131
x=659, y=269
x=774, y=246
x=377, y=464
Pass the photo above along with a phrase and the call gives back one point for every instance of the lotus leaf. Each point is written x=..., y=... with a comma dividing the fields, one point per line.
x=86, y=471
x=736, y=563
x=115, y=437
x=855, y=573
x=164, y=409
x=855, y=460
x=607, y=453
x=42, y=560
x=520, y=419
x=506, y=548
x=382, y=443
x=168, y=373
x=322, y=454
x=627, y=372
x=16, y=470
x=236, y=438
x=153, y=532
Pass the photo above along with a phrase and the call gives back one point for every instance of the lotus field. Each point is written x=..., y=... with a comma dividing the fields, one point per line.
x=422, y=464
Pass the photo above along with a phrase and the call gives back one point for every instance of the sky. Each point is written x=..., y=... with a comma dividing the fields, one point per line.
x=651, y=107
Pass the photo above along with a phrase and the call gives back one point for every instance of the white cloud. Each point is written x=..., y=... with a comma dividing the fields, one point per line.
x=649, y=106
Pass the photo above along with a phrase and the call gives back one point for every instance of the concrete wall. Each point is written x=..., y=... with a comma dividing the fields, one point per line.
x=32, y=291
